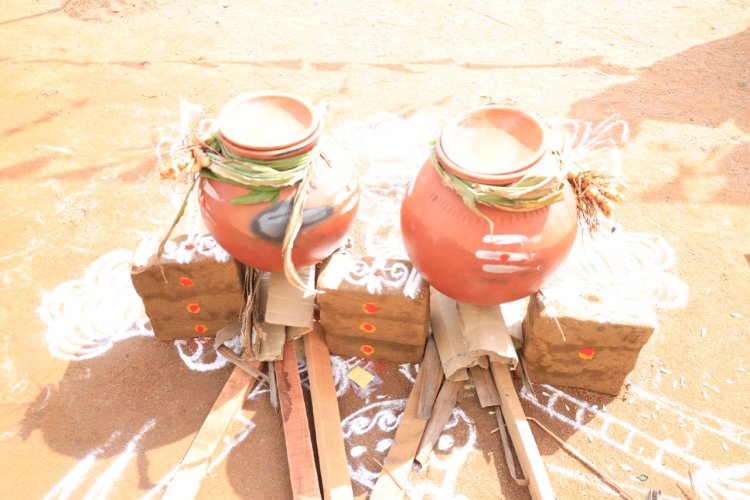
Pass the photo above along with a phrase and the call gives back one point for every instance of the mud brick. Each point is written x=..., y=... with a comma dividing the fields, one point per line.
x=194, y=290
x=602, y=347
x=374, y=308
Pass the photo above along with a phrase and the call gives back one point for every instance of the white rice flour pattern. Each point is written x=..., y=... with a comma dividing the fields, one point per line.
x=85, y=317
x=671, y=455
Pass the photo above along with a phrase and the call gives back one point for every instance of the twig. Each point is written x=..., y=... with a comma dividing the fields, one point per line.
x=554, y=316
x=272, y=388
x=582, y=459
x=231, y=356
x=180, y=213
x=490, y=17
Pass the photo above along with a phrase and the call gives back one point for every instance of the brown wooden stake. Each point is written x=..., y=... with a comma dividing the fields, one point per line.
x=187, y=481
x=486, y=390
x=400, y=457
x=303, y=473
x=334, y=466
x=433, y=377
x=520, y=433
x=441, y=413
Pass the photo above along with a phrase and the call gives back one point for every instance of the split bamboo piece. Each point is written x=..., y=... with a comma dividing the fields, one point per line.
x=248, y=366
x=520, y=434
x=468, y=335
x=334, y=467
x=395, y=470
x=288, y=305
x=187, y=481
x=271, y=340
x=441, y=413
x=433, y=377
x=486, y=390
x=303, y=473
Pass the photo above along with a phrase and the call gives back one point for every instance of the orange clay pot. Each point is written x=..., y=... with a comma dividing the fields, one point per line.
x=451, y=246
x=253, y=234
x=262, y=126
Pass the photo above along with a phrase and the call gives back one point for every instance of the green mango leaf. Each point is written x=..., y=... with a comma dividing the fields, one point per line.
x=256, y=196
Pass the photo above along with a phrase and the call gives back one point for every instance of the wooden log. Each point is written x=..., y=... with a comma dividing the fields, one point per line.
x=187, y=481
x=441, y=413
x=433, y=377
x=486, y=390
x=303, y=473
x=520, y=434
x=395, y=472
x=334, y=466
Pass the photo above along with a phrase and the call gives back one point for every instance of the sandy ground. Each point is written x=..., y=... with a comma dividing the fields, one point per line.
x=90, y=86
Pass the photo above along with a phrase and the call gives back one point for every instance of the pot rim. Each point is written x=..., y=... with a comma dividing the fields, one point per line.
x=514, y=171
x=309, y=118
x=275, y=154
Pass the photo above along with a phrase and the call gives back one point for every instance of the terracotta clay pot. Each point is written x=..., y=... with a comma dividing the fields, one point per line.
x=253, y=233
x=451, y=246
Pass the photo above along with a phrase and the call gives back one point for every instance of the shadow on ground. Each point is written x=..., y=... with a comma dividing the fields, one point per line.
x=707, y=85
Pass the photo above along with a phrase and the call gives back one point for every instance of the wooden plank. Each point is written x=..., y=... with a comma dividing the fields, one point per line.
x=441, y=413
x=334, y=466
x=433, y=377
x=486, y=390
x=520, y=433
x=303, y=473
x=187, y=481
x=400, y=457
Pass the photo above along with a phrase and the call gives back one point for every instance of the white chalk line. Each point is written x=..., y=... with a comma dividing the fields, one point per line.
x=665, y=448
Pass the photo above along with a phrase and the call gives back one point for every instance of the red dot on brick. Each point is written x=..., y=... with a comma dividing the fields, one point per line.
x=189, y=246
x=193, y=308
x=200, y=329
x=504, y=258
x=367, y=349
x=185, y=281
x=370, y=308
x=586, y=353
x=367, y=327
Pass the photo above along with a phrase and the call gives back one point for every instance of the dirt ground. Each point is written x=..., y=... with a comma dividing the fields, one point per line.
x=90, y=86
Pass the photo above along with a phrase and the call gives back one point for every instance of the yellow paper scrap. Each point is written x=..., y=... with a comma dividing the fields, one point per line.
x=360, y=376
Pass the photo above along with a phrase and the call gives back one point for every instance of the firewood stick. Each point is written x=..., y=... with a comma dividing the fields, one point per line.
x=303, y=473
x=397, y=464
x=441, y=413
x=187, y=480
x=245, y=365
x=433, y=377
x=485, y=387
x=520, y=434
x=334, y=466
